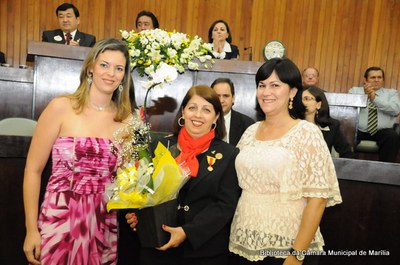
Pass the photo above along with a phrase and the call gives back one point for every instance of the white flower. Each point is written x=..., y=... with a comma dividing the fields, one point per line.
x=144, y=40
x=148, y=84
x=149, y=70
x=125, y=34
x=58, y=38
x=155, y=45
x=166, y=72
x=202, y=59
x=156, y=55
x=171, y=52
x=193, y=66
x=180, y=68
x=208, y=46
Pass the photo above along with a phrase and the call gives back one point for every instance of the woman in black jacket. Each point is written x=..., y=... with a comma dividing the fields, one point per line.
x=219, y=35
x=207, y=202
x=317, y=112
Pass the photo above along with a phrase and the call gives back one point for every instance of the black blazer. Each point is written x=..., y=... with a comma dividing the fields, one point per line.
x=239, y=124
x=85, y=39
x=210, y=200
x=334, y=137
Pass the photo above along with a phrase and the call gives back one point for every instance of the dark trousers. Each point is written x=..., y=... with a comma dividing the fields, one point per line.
x=239, y=260
x=388, y=142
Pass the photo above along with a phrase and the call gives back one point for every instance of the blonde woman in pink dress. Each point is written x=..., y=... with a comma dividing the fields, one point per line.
x=73, y=226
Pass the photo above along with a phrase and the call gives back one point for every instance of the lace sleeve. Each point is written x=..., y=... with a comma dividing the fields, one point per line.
x=316, y=166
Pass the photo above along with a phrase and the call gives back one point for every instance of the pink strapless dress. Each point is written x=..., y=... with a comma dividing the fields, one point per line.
x=73, y=221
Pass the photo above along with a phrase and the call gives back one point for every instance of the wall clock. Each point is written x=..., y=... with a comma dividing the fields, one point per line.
x=274, y=49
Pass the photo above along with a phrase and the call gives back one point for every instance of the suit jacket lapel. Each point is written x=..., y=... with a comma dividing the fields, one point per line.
x=79, y=36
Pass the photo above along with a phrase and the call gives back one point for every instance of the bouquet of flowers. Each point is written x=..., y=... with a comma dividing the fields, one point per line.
x=143, y=181
x=152, y=50
x=149, y=185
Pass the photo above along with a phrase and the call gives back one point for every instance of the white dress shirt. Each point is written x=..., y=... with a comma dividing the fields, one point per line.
x=227, y=119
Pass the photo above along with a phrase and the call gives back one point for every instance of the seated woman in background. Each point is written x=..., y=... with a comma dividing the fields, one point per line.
x=220, y=36
x=317, y=112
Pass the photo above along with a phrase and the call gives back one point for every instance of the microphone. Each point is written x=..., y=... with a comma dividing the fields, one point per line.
x=250, y=53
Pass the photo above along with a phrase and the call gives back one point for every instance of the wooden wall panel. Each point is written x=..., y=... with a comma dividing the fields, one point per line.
x=339, y=37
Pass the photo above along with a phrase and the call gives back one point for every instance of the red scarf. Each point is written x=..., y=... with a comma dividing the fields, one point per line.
x=191, y=147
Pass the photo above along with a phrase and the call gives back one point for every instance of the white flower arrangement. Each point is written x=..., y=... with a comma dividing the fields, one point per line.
x=161, y=55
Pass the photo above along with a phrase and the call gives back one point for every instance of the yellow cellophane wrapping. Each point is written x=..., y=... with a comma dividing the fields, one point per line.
x=167, y=179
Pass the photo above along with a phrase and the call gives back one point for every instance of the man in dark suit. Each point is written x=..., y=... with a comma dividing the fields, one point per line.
x=68, y=18
x=236, y=123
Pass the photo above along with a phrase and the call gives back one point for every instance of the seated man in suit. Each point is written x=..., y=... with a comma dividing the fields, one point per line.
x=235, y=122
x=377, y=119
x=68, y=18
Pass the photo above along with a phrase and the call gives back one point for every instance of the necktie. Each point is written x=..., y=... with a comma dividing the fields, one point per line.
x=372, y=118
x=68, y=38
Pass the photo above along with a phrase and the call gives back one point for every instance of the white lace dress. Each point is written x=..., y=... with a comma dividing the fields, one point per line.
x=276, y=177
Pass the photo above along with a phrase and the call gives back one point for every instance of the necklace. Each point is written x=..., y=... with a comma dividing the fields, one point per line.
x=101, y=108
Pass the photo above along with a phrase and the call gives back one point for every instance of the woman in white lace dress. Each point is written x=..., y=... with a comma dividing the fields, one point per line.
x=287, y=175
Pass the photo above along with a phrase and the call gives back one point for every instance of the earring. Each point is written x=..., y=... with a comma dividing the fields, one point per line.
x=213, y=126
x=290, y=103
x=316, y=114
x=89, y=79
x=120, y=88
x=181, y=121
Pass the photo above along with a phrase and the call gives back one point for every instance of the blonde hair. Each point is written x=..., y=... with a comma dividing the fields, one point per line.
x=80, y=97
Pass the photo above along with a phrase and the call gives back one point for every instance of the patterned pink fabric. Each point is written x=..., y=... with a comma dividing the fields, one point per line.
x=74, y=224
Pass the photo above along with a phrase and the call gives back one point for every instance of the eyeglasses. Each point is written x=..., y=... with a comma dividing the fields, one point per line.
x=307, y=98
x=310, y=76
